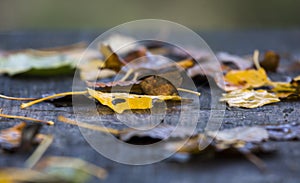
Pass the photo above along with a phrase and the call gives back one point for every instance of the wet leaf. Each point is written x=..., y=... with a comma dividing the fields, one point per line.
x=120, y=102
x=249, y=98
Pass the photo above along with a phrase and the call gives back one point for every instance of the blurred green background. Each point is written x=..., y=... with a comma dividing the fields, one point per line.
x=195, y=14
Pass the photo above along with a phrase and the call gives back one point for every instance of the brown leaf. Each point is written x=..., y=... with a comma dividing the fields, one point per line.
x=270, y=61
x=19, y=137
x=112, y=60
x=10, y=138
x=117, y=86
x=156, y=85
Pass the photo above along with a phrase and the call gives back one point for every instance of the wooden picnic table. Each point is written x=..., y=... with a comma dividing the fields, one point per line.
x=284, y=166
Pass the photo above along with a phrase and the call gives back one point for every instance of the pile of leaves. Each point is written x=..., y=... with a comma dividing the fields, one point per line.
x=139, y=80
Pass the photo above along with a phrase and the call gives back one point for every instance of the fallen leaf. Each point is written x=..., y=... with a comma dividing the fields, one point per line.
x=270, y=61
x=240, y=63
x=90, y=70
x=249, y=98
x=70, y=169
x=287, y=89
x=284, y=132
x=117, y=86
x=160, y=132
x=11, y=138
x=54, y=169
x=120, y=102
x=245, y=79
x=156, y=85
x=238, y=135
x=18, y=138
x=111, y=60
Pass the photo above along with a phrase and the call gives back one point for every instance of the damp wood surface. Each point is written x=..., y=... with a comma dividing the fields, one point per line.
x=284, y=166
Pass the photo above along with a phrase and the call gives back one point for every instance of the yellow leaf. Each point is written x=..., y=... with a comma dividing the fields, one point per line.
x=249, y=98
x=119, y=102
x=112, y=60
x=285, y=89
x=245, y=79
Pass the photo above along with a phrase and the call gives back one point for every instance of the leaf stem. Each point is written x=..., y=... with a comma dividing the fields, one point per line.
x=15, y=98
x=26, y=118
x=188, y=91
x=24, y=105
x=256, y=59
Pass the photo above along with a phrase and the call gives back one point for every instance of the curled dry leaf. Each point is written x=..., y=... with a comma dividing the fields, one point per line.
x=119, y=102
x=249, y=98
x=156, y=85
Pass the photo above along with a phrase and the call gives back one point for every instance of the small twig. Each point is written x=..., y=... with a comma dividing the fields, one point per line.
x=256, y=59
x=40, y=150
x=15, y=98
x=188, y=91
x=24, y=105
x=26, y=118
x=89, y=126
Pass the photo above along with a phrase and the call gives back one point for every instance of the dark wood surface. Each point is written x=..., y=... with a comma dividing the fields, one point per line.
x=284, y=166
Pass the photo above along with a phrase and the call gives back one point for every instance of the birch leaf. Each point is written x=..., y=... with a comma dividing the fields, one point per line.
x=287, y=89
x=112, y=60
x=119, y=102
x=249, y=98
x=245, y=79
